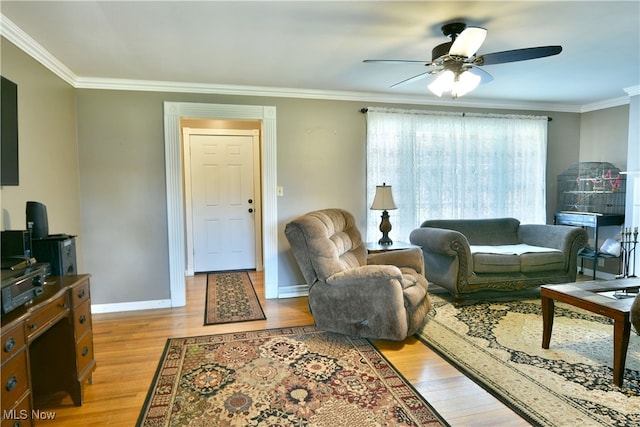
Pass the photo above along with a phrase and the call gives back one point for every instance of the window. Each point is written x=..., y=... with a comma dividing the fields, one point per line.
x=446, y=165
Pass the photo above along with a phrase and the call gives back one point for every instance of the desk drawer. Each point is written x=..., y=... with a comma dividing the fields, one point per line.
x=84, y=353
x=39, y=320
x=80, y=293
x=12, y=341
x=82, y=319
x=20, y=416
x=14, y=380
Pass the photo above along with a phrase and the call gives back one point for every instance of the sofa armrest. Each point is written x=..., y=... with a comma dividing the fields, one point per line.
x=565, y=238
x=411, y=258
x=440, y=241
x=447, y=256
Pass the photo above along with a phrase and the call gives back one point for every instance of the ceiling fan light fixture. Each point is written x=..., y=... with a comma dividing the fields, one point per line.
x=443, y=83
x=458, y=84
x=465, y=83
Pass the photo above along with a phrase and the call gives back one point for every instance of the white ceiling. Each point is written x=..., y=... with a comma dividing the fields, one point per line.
x=317, y=48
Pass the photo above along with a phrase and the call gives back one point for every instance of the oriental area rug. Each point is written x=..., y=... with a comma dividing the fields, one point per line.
x=499, y=345
x=231, y=297
x=280, y=377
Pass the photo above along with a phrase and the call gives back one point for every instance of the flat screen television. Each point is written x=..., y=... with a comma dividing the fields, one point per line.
x=9, y=133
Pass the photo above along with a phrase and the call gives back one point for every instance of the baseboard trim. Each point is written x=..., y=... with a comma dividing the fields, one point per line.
x=588, y=272
x=293, y=291
x=130, y=306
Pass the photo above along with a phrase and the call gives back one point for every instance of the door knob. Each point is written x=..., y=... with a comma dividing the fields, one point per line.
x=250, y=201
x=250, y=210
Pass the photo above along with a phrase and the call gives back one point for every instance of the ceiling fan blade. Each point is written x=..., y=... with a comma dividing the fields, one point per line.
x=413, y=79
x=395, y=61
x=517, y=55
x=468, y=42
x=484, y=76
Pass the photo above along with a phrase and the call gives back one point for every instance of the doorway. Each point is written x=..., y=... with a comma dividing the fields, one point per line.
x=173, y=113
x=222, y=198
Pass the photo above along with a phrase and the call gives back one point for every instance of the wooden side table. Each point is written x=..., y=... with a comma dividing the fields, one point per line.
x=375, y=247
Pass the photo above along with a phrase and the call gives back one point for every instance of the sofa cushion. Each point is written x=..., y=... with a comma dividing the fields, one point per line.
x=495, y=263
x=542, y=261
x=515, y=258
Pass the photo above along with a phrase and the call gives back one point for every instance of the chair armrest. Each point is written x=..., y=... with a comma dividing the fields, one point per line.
x=377, y=275
x=411, y=258
x=367, y=285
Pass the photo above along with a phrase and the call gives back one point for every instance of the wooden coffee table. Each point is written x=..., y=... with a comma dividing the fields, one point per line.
x=587, y=295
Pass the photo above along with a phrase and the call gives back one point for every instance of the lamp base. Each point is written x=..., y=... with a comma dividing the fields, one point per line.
x=385, y=228
x=386, y=241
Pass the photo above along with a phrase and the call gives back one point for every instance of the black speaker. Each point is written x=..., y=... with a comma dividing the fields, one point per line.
x=59, y=250
x=37, y=220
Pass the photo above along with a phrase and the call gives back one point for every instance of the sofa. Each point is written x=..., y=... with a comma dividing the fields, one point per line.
x=379, y=296
x=471, y=255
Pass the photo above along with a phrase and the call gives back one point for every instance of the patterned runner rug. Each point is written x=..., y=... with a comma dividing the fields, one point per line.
x=231, y=297
x=281, y=377
x=499, y=345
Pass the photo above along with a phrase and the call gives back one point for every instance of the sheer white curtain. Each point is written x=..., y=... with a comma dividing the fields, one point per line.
x=445, y=165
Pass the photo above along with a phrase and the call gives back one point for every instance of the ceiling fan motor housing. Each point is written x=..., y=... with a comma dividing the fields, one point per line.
x=453, y=29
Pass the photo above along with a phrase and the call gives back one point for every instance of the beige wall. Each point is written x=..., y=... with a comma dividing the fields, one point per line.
x=48, y=149
x=114, y=177
x=604, y=135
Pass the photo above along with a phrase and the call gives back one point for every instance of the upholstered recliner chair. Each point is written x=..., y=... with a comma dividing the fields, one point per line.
x=379, y=296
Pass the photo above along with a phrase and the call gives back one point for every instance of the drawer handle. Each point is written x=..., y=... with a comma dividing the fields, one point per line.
x=12, y=383
x=33, y=326
x=85, y=351
x=81, y=293
x=83, y=319
x=63, y=305
x=9, y=344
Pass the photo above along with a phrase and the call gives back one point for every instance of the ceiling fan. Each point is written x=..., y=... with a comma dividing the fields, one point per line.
x=456, y=64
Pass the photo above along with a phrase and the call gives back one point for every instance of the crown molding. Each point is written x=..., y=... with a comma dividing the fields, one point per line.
x=632, y=90
x=283, y=92
x=22, y=40
x=601, y=105
x=32, y=48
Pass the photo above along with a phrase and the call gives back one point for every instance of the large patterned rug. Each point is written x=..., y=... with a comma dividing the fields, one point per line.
x=280, y=377
x=499, y=345
x=231, y=297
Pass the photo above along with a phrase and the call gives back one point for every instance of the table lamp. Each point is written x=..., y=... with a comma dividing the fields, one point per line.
x=383, y=201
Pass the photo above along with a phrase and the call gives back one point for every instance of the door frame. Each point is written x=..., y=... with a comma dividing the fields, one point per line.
x=173, y=112
x=186, y=157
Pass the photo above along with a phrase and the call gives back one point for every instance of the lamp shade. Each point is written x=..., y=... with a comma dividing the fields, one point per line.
x=383, y=199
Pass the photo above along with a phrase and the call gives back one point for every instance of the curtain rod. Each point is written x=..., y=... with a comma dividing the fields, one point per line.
x=364, y=110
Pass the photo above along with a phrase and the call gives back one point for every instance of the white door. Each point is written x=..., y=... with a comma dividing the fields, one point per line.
x=223, y=202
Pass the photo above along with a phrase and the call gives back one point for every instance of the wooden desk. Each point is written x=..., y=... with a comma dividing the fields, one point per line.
x=47, y=347
x=586, y=295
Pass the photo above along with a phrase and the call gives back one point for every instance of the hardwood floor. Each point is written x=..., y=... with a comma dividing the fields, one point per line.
x=128, y=347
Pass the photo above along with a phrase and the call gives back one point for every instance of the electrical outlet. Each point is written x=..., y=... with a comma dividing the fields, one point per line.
x=600, y=262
